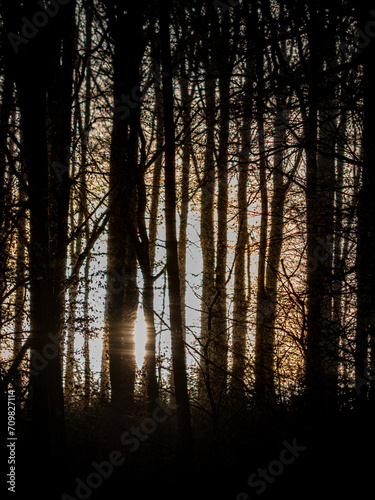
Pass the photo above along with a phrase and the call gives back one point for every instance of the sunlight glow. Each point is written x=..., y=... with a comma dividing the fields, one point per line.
x=140, y=338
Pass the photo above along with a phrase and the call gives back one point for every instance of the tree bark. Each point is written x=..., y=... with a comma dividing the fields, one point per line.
x=219, y=323
x=178, y=347
x=5, y=113
x=43, y=74
x=122, y=297
x=19, y=301
x=321, y=136
x=240, y=302
x=264, y=359
x=182, y=240
x=325, y=191
x=155, y=196
x=207, y=235
x=365, y=260
x=144, y=259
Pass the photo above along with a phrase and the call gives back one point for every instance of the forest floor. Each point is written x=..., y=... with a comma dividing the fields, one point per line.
x=281, y=453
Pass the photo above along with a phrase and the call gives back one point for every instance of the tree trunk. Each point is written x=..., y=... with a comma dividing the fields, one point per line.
x=85, y=145
x=178, y=347
x=5, y=113
x=122, y=297
x=144, y=259
x=220, y=324
x=338, y=250
x=314, y=270
x=104, y=369
x=264, y=359
x=240, y=303
x=182, y=241
x=75, y=251
x=207, y=235
x=321, y=136
x=19, y=301
x=153, y=226
x=365, y=262
x=43, y=75
x=325, y=191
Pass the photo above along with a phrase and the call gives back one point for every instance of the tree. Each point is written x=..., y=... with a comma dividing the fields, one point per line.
x=5, y=114
x=207, y=213
x=321, y=135
x=122, y=299
x=42, y=71
x=240, y=296
x=178, y=347
x=269, y=264
x=219, y=322
x=365, y=263
x=263, y=348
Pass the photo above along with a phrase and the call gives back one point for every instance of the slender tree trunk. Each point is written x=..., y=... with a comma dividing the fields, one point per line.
x=104, y=369
x=75, y=251
x=240, y=303
x=321, y=135
x=264, y=376
x=207, y=235
x=122, y=298
x=220, y=324
x=242, y=296
x=144, y=259
x=325, y=191
x=84, y=208
x=76, y=246
x=146, y=246
x=19, y=301
x=178, y=347
x=5, y=113
x=86, y=313
x=153, y=226
x=365, y=262
x=267, y=308
x=182, y=242
x=150, y=356
x=338, y=260
x=314, y=275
